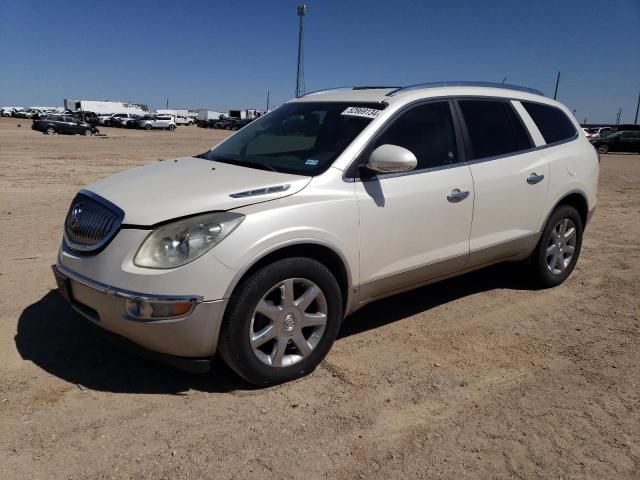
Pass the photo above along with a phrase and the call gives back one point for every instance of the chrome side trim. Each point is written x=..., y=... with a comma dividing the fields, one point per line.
x=409, y=279
x=511, y=250
x=121, y=293
x=518, y=248
x=261, y=191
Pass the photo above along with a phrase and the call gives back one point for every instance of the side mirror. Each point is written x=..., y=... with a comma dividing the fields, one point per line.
x=391, y=159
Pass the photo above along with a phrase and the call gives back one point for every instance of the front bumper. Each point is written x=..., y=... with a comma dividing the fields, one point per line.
x=186, y=342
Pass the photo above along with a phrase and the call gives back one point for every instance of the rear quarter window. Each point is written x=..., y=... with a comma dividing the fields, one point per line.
x=553, y=123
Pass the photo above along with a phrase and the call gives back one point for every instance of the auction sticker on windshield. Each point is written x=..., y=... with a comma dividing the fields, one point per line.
x=361, y=112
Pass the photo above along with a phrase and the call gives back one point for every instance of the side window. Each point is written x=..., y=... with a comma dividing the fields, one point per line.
x=552, y=122
x=428, y=132
x=493, y=127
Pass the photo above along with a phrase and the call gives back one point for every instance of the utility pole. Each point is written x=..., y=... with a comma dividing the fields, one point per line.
x=637, y=108
x=504, y=80
x=555, y=94
x=618, y=118
x=268, y=92
x=167, y=103
x=302, y=12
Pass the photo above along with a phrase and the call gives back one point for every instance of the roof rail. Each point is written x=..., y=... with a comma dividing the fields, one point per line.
x=364, y=87
x=421, y=86
x=325, y=90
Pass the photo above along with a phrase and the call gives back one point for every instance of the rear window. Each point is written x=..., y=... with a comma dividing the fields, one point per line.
x=553, y=123
x=493, y=127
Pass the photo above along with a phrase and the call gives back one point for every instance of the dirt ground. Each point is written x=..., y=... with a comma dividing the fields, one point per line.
x=476, y=377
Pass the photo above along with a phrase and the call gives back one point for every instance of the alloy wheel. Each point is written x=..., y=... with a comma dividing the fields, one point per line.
x=288, y=322
x=561, y=246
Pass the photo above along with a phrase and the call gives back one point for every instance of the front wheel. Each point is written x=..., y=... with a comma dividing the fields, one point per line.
x=51, y=131
x=281, y=321
x=147, y=126
x=558, y=249
x=172, y=127
x=603, y=149
x=87, y=132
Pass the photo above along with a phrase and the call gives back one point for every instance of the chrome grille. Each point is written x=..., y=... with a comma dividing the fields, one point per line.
x=91, y=222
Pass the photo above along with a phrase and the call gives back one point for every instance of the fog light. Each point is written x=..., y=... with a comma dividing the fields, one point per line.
x=145, y=310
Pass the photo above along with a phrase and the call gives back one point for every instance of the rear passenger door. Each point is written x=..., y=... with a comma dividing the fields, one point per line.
x=510, y=180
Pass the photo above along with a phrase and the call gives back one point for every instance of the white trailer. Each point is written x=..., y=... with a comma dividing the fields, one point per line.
x=105, y=107
x=173, y=111
x=204, y=115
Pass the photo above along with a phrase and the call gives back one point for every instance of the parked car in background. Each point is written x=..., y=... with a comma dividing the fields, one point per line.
x=240, y=122
x=602, y=132
x=66, y=124
x=258, y=248
x=620, y=141
x=188, y=121
x=121, y=119
x=7, y=111
x=223, y=123
x=27, y=113
x=150, y=122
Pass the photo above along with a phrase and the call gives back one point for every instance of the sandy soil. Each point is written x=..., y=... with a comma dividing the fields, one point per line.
x=476, y=377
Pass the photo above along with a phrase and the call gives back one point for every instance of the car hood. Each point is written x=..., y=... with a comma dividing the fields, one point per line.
x=176, y=188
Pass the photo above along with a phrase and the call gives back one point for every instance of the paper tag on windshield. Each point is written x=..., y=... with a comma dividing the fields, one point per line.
x=361, y=112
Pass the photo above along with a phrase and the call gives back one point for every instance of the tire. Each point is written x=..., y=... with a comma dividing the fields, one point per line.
x=87, y=132
x=261, y=364
x=552, y=261
x=147, y=126
x=51, y=131
x=603, y=149
x=172, y=127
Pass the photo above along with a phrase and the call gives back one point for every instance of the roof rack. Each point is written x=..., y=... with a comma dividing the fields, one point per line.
x=421, y=86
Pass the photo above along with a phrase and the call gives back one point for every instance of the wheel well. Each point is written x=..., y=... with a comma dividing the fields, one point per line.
x=322, y=254
x=577, y=201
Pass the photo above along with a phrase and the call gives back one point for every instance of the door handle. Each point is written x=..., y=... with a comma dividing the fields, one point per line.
x=534, y=178
x=457, y=196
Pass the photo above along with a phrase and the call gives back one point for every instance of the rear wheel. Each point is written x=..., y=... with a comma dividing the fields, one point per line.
x=172, y=127
x=603, y=149
x=281, y=321
x=147, y=126
x=559, y=247
x=87, y=132
x=51, y=131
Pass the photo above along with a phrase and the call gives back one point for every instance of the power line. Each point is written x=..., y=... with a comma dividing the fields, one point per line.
x=302, y=12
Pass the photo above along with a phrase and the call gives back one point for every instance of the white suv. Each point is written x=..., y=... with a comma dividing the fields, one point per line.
x=258, y=248
x=180, y=120
x=148, y=122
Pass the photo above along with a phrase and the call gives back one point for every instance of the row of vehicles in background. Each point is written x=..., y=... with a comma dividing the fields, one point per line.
x=227, y=123
x=149, y=121
x=22, y=112
x=625, y=138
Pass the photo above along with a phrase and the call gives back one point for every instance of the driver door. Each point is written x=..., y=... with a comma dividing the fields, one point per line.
x=415, y=226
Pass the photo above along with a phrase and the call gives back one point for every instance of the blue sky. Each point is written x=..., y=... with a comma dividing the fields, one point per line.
x=228, y=54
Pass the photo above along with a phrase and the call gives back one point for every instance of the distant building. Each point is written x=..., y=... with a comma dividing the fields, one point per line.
x=104, y=107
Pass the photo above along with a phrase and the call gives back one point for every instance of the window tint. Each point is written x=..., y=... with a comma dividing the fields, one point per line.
x=553, y=124
x=493, y=127
x=428, y=132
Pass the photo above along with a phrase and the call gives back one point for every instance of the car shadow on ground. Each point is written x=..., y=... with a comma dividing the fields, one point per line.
x=57, y=339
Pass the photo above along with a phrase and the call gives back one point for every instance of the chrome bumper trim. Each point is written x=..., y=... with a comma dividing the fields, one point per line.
x=121, y=293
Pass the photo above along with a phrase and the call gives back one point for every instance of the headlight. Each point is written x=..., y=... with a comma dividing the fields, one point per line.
x=181, y=242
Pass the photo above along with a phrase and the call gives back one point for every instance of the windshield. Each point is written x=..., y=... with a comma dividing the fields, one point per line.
x=300, y=138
